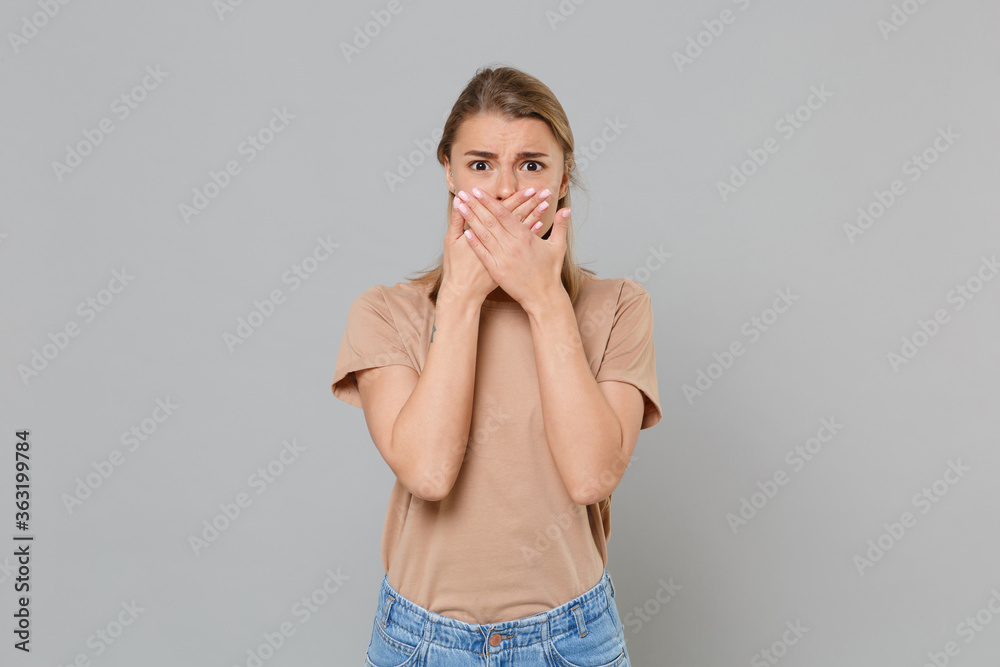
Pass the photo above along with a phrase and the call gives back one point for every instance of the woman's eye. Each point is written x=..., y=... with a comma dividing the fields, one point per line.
x=538, y=166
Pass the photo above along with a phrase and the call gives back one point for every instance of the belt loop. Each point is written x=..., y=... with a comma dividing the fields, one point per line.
x=611, y=585
x=428, y=627
x=388, y=605
x=581, y=622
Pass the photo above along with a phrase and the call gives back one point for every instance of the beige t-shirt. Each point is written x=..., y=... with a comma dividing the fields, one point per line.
x=507, y=541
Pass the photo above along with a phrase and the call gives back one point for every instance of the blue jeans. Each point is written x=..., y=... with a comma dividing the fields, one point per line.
x=584, y=632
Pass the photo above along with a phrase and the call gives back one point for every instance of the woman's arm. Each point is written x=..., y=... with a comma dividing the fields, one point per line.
x=420, y=424
x=591, y=427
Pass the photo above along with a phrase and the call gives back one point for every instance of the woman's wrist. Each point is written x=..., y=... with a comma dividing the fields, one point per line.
x=451, y=293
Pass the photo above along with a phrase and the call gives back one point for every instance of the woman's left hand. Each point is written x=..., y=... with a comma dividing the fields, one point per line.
x=526, y=267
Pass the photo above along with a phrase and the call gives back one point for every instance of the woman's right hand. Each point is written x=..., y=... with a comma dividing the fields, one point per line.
x=464, y=276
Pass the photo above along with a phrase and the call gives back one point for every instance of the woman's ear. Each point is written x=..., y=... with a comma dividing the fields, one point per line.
x=448, y=176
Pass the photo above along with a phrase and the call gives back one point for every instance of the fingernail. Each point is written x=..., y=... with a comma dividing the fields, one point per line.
x=455, y=202
x=529, y=192
x=463, y=208
x=544, y=205
x=477, y=193
x=535, y=227
x=544, y=193
x=464, y=195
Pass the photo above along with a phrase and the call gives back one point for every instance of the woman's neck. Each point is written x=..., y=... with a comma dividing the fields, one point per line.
x=498, y=295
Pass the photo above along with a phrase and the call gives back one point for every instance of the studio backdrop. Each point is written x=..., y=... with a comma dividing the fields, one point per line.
x=193, y=193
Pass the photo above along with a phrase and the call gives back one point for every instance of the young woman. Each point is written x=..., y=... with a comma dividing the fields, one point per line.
x=505, y=388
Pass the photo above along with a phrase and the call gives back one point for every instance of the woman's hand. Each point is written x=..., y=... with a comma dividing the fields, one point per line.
x=527, y=267
x=464, y=275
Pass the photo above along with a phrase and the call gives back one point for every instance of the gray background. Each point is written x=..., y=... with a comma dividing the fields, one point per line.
x=653, y=188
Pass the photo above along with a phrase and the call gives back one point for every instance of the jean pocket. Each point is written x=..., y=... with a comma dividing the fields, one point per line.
x=392, y=646
x=601, y=646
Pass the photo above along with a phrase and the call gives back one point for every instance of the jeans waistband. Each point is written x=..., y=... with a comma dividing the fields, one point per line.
x=571, y=616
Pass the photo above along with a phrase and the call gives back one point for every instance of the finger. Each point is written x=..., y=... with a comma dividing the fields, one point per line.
x=483, y=233
x=559, y=227
x=535, y=215
x=455, y=221
x=477, y=247
x=529, y=204
x=492, y=213
x=516, y=202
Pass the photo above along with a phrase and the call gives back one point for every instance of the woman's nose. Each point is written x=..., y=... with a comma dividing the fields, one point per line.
x=506, y=185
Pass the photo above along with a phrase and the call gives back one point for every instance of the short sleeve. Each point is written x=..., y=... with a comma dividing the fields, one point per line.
x=370, y=340
x=629, y=355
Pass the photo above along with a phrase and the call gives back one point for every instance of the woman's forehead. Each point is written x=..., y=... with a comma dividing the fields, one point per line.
x=491, y=130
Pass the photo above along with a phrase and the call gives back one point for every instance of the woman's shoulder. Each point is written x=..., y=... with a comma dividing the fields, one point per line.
x=404, y=298
x=598, y=292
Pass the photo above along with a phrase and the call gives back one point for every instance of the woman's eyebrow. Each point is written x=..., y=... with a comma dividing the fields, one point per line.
x=493, y=156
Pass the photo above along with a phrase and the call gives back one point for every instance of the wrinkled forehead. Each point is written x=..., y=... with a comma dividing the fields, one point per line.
x=493, y=133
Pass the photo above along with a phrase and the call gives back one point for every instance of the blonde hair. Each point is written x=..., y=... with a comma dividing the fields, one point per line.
x=512, y=94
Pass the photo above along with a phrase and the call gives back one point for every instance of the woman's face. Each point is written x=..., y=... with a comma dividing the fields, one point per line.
x=502, y=156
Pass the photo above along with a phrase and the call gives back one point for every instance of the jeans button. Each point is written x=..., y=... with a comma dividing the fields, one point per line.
x=495, y=640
